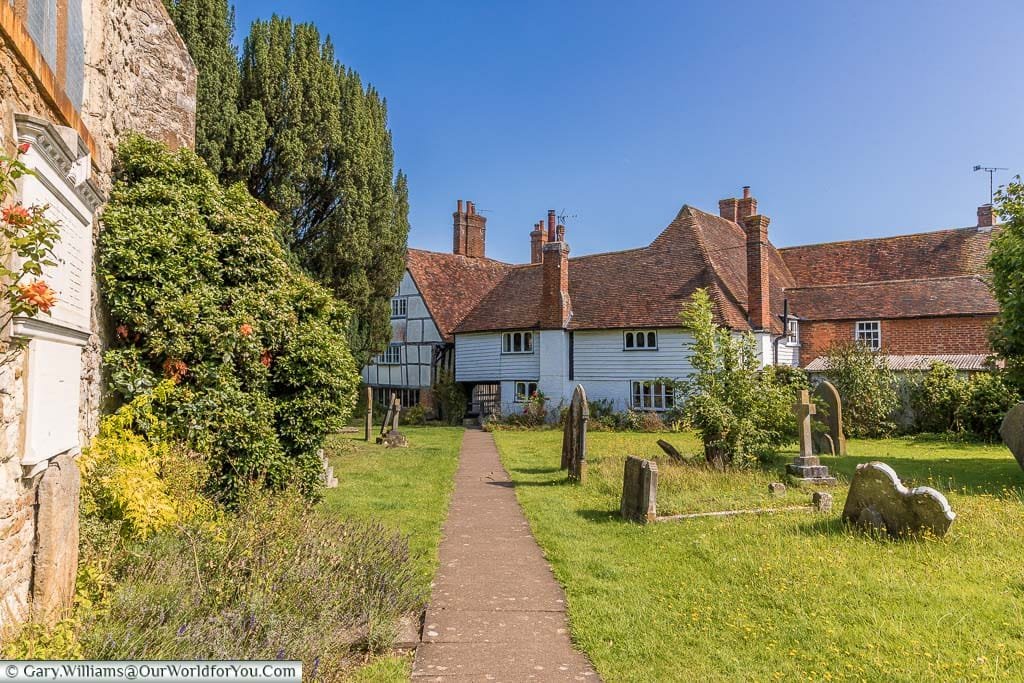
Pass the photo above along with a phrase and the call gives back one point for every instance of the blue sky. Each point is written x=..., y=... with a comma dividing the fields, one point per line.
x=848, y=119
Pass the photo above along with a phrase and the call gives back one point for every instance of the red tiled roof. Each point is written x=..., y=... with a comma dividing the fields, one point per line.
x=959, y=295
x=452, y=285
x=943, y=253
x=645, y=287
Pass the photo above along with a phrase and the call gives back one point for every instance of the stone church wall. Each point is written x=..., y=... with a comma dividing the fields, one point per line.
x=138, y=76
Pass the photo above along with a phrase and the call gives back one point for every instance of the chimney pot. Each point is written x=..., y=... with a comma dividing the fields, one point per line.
x=460, y=206
x=746, y=191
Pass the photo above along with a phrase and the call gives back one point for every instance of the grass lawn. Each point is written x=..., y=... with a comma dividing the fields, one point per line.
x=787, y=596
x=405, y=488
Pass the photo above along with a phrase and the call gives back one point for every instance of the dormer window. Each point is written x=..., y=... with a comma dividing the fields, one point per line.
x=399, y=307
x=793, y=332
x=517, y=342
x=640, y=340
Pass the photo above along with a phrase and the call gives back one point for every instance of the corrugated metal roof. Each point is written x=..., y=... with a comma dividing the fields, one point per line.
x=965, y=362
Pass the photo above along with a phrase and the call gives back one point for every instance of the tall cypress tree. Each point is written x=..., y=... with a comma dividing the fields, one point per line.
x=226, y=138
x=327, y=166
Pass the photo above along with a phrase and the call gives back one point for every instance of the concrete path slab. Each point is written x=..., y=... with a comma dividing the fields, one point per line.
x=496, y=613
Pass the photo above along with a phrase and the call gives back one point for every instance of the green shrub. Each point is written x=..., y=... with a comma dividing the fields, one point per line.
x=276, y=579
x=938, y=399
x=990, y=397
x=867, y=386
x=741, y=411
x=450, y=397
x=202, y=293
x=416, y=415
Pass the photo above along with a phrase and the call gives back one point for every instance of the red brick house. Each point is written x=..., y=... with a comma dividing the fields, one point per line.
x=604, y=321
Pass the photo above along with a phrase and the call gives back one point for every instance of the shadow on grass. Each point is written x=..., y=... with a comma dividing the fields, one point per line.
x=536, y=470
x=602, y=516
x=546, y=482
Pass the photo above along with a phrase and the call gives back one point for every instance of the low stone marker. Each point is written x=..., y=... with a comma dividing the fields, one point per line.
x=368, y=425
x=640, y=490
x=1012, y=432
x=821, y=501
x=806, y=468
x=830, y=439
x=878, y=500
x=330, y=481
x=670, y=450
x=777, y=488
x=389, y=434
x=574, y=436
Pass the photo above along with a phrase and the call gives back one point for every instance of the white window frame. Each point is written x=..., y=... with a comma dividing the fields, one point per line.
x=860, y=328
x=793, y=333
x=650, y=401
x=391, y=356
x=524, y=395
x=399, y=307
x=524, y=339
x=639, y=340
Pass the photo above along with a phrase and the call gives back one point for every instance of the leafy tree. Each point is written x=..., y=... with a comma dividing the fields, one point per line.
x=201, y=293
x=867, y=386
x=1007, y=264
x=741, y=411
x=228, y=139
x=327, y=166
x=938, y=400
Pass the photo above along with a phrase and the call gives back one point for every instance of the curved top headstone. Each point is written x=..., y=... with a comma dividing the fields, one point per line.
x=877, y=497
x=831, y=416
x=574, y=435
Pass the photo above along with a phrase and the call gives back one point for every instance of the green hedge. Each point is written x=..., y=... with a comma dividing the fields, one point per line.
x=201, y=292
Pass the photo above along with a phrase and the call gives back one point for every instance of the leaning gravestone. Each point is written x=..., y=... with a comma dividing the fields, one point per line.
x=574, y=435
x=878, y=500
x=639, y=490
x=829, y=439
x=1012, y=432
x=330, y=481
x=806, y=468
x=368, y=425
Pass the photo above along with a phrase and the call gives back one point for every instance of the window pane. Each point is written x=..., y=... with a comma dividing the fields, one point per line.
x=629, y=342
x=528, y=341
x=652, y=340
x=506, y=340
x=517, y=342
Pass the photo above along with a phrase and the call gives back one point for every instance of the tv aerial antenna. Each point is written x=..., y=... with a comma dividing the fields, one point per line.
x=991, y=170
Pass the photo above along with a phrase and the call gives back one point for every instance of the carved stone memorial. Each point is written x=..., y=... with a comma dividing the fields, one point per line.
x=640, y=490
x=574, y=436
x=878, y=500
x=806, y=468
x=828, y=438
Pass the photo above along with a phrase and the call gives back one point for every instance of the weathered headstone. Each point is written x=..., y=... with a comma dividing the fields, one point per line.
x=670, y=450
x=821, y=501
x=330, y=481
x=574, y=436
x=56, y=561
x=777, y=488
x=388, y=417
x=879, y=500
x=639, y=490
x=806, y=468
x=1012, y=432
x=395, y=413
x=369, y=412
x=395, y=439
x=828, y=439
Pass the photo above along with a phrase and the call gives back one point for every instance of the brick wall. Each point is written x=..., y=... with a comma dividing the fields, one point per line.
x=905, y=336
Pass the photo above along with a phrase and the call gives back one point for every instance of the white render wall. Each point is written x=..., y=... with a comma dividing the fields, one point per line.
x=418, y=336
x=478, y=358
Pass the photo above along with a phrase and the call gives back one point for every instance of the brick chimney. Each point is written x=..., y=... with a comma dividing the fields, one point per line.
x=468, y=231
x=538, y=238
x=555, y=305
x=986, y=219
x=746, y=206
x=758, y=304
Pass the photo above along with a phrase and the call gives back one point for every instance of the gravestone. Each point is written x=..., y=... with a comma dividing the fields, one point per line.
x=1012, y=432
x=388, y=416
x=574, y=436
x=777, y=488
x=390, y=425
x=878, y=500
x=330, y=481
x=639, y=490
x=395, y=439
x=395, y=414
x=821, y=501
x=670, y=450
x=369, y=413
x=828, y=439
x=806, y=468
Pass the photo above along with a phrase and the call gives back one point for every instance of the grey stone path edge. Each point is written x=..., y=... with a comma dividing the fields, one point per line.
x=496, y=613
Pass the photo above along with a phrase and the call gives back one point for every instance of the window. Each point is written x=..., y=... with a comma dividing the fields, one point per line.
x=409, y=397
x=638, y=340
x=869, y=333
x=793, y=332
x=517, y=342
x=391, y=356
x=524, y=390
x=399, y=307
x=649, y=395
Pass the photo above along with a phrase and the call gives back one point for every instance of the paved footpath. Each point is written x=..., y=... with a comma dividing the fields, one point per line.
x=496, y=613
